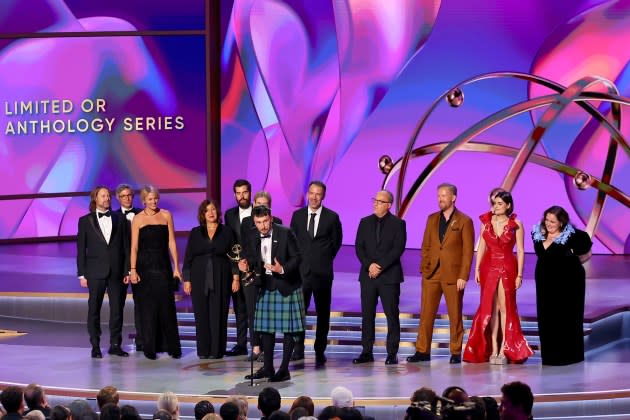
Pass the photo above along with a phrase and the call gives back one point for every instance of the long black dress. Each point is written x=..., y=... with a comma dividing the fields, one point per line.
x=560, y=289
x=157, y=302
x=210, y=271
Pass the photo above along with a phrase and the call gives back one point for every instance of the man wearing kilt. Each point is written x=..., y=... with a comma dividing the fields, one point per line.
x=273, y=255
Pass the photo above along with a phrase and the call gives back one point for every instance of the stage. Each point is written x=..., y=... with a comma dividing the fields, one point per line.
x=43, y=303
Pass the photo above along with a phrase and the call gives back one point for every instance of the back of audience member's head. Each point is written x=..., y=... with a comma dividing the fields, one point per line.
x=455, y=393
x=162, y=415
x=328, y=413
x=481, y=407
x=516, y=395
x=106, y=395
x=202, y=408
x=269, y=401
x=305, y=402
x=242, y=404
x=308, y=418
x=424, y=398
x=129, y=412
x=279, y=415
x=297, y=413
x=12, y=399
x=212, y=416
x=168, y=401
x=350, y=413
x=229, y=411
x=110, y=411
x=492, y=408
x=59, y=412
x=34, y=396
x=341, y=397
x=414, y=412
x=80, y=408
x=91, y=415
x=35, y=415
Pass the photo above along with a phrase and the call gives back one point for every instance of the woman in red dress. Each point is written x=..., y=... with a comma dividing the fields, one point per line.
x=496, y=333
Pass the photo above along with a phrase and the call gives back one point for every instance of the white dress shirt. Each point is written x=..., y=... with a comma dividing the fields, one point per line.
x=318, y=213
x=265, y=250
x=243, y=213
x=105, y=224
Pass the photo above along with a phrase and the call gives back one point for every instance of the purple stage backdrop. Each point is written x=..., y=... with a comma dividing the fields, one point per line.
x=322, y=90
x=310, y=90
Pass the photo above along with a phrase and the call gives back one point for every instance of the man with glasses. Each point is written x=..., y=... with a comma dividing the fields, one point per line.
x=124, y=195
x=380, y=242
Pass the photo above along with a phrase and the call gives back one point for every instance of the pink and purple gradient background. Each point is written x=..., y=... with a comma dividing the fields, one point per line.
x=313, y=90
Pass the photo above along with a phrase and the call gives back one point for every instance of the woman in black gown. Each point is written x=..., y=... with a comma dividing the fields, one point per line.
x=560, y=287
x=210, y=277
x=152, y=238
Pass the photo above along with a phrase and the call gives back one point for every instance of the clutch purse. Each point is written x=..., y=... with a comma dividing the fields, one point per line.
x=176, y=284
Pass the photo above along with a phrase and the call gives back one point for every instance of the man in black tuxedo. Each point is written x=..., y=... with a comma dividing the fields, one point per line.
x=274, y=256
x=318, y=232
x=261, y=198
x=381, y=240
x=124, y=195
x=233, y=218
x=102, y=257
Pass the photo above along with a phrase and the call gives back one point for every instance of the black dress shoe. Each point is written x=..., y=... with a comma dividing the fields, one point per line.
x=455, y=359
x=151, y=356
x=363, y=358
x=203, y=357
x=259, y=374
x=280, y=376
x=96, y=353
x=237, y=351
x=176, y=355
x=117, y=351
x=419, y=357
x=320, y=359
x=297, y=356
x=391, y=360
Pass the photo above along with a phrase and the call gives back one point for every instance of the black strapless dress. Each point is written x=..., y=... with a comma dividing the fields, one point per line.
x=157, y=301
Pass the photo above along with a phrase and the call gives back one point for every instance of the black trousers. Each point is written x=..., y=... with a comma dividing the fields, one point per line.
x=211, y=315
x=322, y=297
x=116, y=293
x=371, y=290
x=244, y=305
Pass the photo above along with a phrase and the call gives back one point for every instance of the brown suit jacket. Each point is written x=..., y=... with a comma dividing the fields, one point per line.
x=454, y=255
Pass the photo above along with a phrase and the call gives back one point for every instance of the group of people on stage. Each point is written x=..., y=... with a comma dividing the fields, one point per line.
x=272, y=272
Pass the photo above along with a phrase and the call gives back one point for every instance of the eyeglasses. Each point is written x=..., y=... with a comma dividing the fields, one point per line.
x=125, y=195
x=380, y=202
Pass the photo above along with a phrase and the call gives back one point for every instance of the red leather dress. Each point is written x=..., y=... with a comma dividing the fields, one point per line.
x=498, y=264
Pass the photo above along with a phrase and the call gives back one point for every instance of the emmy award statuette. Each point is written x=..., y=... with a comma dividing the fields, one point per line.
x=247, y=277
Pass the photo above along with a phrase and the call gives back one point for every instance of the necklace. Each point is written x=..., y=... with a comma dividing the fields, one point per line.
x=150, y=215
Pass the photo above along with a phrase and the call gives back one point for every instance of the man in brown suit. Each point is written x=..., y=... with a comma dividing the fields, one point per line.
x=447, y=249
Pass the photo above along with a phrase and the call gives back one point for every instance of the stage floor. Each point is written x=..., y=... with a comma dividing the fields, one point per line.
x=56, y=354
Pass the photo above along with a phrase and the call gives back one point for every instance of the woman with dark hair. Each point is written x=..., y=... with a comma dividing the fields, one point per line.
x=210, y=277
x=560, y=287
x=496, y=334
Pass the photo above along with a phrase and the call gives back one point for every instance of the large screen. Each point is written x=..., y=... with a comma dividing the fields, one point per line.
x=83, y=107
x=341, y=91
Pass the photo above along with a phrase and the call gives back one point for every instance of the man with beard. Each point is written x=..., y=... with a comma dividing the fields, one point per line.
x=233, y=218
x=447, y=250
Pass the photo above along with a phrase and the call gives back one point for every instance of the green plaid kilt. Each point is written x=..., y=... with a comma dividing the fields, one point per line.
x=277, y=313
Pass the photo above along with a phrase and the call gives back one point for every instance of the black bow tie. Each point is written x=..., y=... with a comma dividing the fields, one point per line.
x=126, y=212
x=106, y=214
x=265, y=236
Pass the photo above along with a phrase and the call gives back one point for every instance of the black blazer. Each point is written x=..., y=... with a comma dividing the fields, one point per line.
x=200, y=249
x=232, y=220
x=318, y=253
x=284, y=247
x=96, y=259
x=385, y=253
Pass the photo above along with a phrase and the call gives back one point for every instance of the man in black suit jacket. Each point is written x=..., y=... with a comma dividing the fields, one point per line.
x=102, y=257
x=381, y=240
x=233, y=218
x=261, y=198
x=124, y=195
x=274, y=256
x=319, y=235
